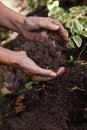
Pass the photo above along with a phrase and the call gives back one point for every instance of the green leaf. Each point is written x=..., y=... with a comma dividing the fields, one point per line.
x=66, y=32
x=77, y=27
x=52, y=4
x=49, y=2
x=72, y=31
x=30, y=85
x=85, y=23
x=78, y=9
x=77, y=39
x=56, y=3
x=71, y=43
x=86, y=29
x=68, y=23
x=84, y=33
x=83, y=20
x=71, y=60
x=73, y=9
x=65, y=17
x=73, y=14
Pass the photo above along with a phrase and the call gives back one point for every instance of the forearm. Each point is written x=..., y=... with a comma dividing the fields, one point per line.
x=7, y=57
x=11, y=19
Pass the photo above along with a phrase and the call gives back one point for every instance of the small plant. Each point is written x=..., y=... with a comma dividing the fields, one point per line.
x=30, y=85
x=71, y=60
x=75, y=20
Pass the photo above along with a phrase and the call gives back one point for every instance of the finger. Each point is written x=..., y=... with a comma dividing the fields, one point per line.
x=31, y=67
x=61, y=31
x=36, y=70
x=55, y=25
x=59, y=72
x=48, y=24
x=44, y=72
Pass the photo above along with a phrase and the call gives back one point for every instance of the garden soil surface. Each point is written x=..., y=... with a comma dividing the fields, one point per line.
x=59, y=104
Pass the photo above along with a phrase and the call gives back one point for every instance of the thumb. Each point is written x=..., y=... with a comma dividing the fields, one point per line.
x=47, y=72
x=44, y=72
x=60, y=71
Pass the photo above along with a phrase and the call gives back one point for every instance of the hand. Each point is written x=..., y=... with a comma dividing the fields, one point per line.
x=28, y=26
x=34, y=24
x=36, y=73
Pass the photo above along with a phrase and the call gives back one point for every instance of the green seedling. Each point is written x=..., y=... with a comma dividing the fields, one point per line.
x=71, y=60
x=30, y=85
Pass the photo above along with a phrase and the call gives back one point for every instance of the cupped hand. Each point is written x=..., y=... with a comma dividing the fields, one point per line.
x=33, y=24
x=28, y=66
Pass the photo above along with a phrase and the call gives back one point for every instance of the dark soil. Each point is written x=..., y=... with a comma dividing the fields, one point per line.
x=59, y=104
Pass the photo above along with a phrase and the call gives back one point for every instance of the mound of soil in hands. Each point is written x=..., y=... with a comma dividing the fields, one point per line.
x=59, y=104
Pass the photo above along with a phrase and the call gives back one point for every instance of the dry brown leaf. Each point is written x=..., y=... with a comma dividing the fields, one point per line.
x=20, y=107
x=6, y=84
x=5, y=91
x=19, y=99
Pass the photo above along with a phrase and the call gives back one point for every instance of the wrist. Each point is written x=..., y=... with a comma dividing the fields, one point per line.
x=11, y=19
x=7, y=57
x=16, y=23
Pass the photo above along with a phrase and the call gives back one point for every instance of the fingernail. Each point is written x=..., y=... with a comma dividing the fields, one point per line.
x=56, y=26
x=53, y=74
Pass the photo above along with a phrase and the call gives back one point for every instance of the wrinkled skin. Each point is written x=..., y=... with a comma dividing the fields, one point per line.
x=34, y=28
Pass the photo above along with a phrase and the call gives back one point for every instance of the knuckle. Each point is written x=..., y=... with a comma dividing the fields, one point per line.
x=49, y=19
